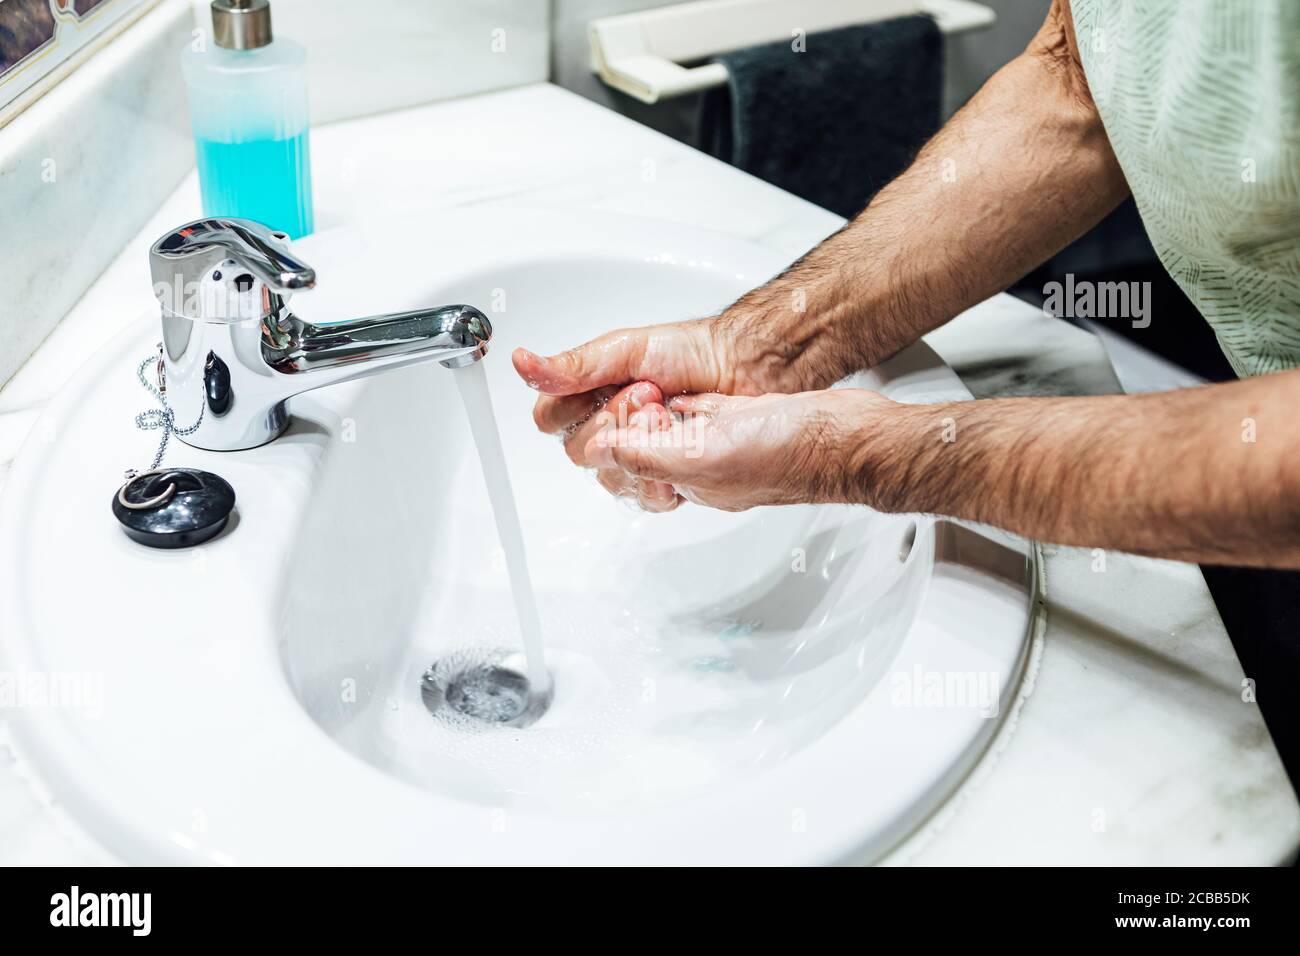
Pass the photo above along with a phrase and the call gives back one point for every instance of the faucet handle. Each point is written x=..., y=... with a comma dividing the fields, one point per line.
x=180, y=260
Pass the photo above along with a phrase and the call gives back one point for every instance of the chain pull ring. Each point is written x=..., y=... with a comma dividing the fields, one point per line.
x=163, y=418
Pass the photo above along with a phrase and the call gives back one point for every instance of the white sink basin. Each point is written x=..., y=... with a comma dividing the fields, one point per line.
x=797, y=685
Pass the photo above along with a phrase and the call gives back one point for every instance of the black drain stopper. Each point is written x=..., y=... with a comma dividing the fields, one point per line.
x=174, y=507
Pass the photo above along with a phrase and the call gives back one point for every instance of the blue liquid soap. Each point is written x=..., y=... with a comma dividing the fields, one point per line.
x=267, y=180
x=248, y=109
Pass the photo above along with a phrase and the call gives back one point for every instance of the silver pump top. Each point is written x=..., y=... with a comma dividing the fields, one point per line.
x=241, y=24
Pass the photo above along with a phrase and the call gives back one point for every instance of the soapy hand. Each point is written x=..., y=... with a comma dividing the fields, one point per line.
x=736, y=452
x=602, y=384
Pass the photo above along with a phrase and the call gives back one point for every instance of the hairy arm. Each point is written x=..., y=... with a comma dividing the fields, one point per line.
x=1016, y=175
x=1205, y=474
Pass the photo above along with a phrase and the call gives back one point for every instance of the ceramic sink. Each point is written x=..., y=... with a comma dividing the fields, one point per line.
x=785, y=685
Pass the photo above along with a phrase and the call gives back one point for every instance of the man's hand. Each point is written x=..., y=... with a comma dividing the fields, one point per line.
x=607, y=380
x=735, y=452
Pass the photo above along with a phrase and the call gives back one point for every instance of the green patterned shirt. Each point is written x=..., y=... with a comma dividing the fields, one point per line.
x=1201, y=102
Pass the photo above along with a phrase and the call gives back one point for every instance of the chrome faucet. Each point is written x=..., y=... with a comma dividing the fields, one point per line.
x=233, y=353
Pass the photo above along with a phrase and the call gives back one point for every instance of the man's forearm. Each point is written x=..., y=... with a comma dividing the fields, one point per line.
x=1015, y=176
x=1206, y=474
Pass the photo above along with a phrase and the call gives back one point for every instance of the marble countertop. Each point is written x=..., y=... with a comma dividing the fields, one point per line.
x=1130, y=743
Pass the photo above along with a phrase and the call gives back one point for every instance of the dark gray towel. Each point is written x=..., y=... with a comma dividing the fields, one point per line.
x=837, y=122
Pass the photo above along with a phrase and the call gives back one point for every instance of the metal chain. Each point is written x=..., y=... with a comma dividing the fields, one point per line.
x=163, y=418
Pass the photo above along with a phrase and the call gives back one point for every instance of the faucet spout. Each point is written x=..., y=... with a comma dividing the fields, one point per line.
x=452, y=335
x=233, y=354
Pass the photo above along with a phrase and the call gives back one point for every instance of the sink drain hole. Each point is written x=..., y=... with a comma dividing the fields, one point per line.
x=481, y=689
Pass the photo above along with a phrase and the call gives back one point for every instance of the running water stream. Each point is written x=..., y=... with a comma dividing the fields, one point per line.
x=473, y=385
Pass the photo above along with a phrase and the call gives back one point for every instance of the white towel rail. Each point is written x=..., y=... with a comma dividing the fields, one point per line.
x=641, y=53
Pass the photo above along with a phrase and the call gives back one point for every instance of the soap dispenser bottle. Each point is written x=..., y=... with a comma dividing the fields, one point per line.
x=248, y=108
